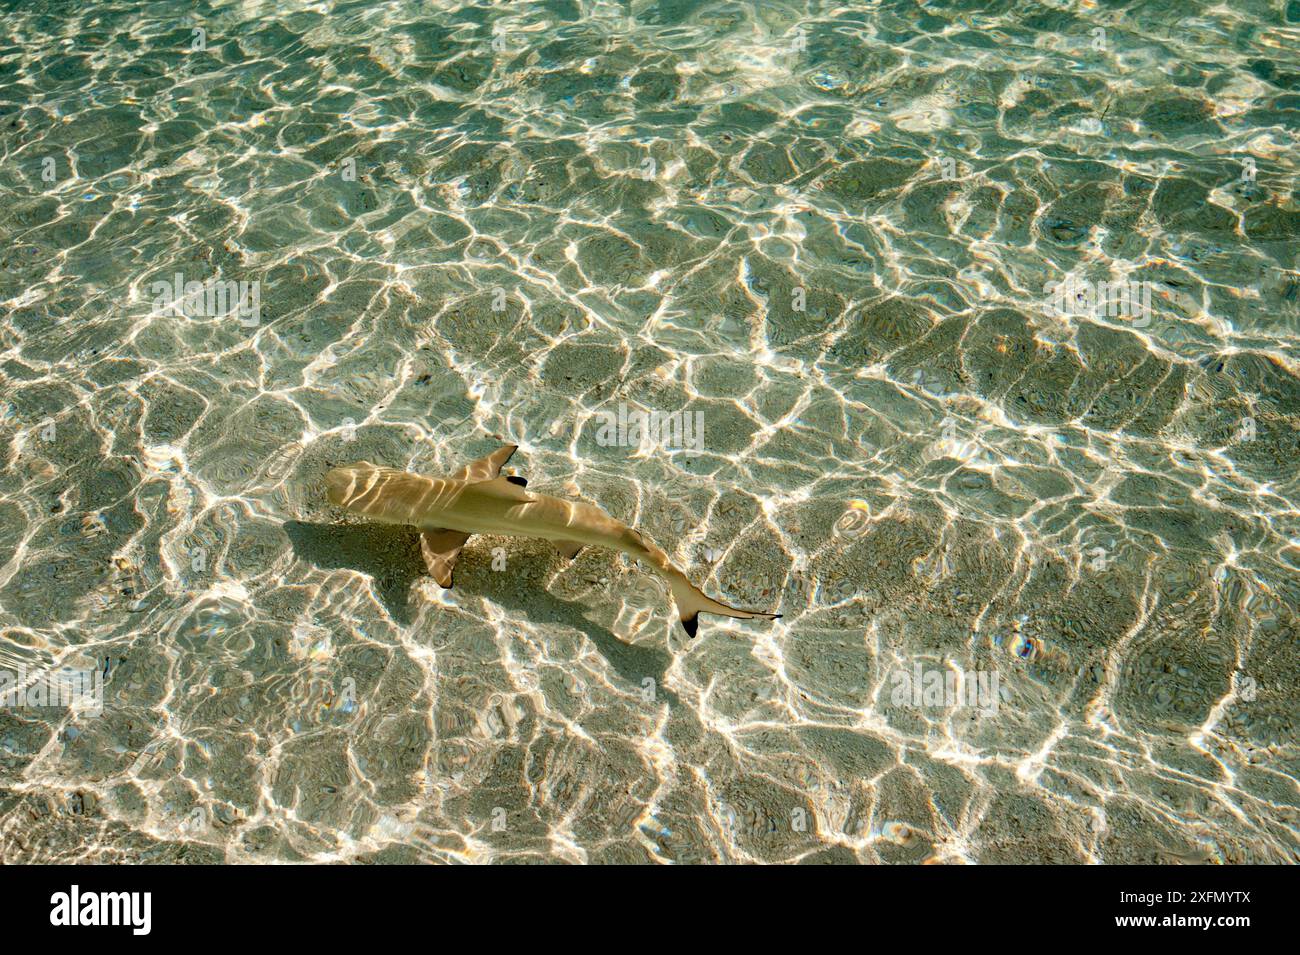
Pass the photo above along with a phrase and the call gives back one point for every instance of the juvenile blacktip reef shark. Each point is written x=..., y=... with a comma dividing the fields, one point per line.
x=476, y=500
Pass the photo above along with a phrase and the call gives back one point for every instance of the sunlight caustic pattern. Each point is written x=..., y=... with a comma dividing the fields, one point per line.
x=771, y=283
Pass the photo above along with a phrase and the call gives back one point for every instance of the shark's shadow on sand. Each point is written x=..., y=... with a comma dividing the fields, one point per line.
x=390, y=554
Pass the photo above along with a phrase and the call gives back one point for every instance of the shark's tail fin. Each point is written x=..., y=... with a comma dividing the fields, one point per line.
x=691, y=602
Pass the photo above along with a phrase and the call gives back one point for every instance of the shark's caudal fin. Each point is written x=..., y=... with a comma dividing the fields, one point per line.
x=691, y=602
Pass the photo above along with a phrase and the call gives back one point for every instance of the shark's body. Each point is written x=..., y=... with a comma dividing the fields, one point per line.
x=476, y=500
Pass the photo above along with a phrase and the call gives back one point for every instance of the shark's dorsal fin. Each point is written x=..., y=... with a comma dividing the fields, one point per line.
x=486, y=468
x=440, y=548
x=502, y=487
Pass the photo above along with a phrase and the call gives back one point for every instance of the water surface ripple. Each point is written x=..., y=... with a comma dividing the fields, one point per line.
x=827, y=229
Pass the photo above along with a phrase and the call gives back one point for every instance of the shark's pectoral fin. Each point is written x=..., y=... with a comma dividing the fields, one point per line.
x=486, y=468
x=516, y=479
x=568, y=549
x=440, y=548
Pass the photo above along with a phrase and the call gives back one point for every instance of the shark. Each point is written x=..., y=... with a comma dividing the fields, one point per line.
x=478, y=500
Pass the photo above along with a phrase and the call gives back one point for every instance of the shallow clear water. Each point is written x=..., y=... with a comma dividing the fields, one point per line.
x=823, y=231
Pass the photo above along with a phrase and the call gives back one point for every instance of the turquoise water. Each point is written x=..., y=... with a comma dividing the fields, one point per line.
x=1036, y=551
